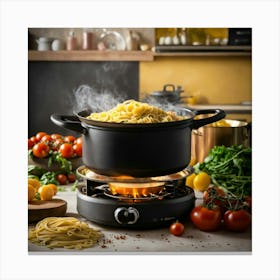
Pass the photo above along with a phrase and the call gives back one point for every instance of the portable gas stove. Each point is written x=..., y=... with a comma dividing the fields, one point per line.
x=128, y=202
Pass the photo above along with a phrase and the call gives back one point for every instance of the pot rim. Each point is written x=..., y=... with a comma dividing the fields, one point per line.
x=80, y=123
x=235, y=124
x=82, y=115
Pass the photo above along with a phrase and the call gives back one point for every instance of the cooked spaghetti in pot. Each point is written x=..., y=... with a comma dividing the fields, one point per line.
x=131, y=111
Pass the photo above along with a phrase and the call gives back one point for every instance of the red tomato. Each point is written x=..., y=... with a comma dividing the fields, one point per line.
x=30, y=144
x=34, y=139
x=177, y=229
x=39, y=135
x=40, y=150
x=78, y=140
x=206, y=219
x=248, y=201
x=46, y=138
x=56, y=136
x=56, y=144
x=214, y=194
x=238, y=220
x=66, y=150
x=61, y=179
x=78, y=149
x=71, y=177
x=69, y=139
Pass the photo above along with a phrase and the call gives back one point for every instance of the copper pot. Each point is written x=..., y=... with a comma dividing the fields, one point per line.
x=206, y=137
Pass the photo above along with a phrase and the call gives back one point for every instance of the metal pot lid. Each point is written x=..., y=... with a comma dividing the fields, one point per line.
x=169, y=90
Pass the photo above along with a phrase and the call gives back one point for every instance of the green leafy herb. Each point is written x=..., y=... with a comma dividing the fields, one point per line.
x=56, y=157
x=229, y=167
x=36, y=170
x=74, y=186
x=61, y=189
x=48, y=178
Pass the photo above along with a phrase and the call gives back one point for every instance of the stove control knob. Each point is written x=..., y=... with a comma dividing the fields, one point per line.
x=125, y=215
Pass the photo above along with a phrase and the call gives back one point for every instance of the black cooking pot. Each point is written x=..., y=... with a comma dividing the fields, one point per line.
x=168, y=94
x=139, y=150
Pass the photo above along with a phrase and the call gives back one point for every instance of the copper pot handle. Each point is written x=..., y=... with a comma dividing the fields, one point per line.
x=197, y=133
x=218, y=115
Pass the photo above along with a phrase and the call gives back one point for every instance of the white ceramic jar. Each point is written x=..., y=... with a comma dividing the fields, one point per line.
x=58, y=45
x=44, y=44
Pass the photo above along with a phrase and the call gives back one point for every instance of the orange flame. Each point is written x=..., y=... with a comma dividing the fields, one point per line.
x=135, y=190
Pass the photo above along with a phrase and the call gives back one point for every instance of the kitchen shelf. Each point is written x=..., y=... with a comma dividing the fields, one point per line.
x=228, y=108
x=203, y=51
x=91, y=55
x=160, y=51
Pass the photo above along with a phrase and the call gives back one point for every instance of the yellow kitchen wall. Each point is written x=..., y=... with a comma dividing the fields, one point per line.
x=211, y=79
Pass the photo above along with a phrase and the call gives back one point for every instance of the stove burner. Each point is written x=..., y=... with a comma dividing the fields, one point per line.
x=97, y=203
x=130, y=198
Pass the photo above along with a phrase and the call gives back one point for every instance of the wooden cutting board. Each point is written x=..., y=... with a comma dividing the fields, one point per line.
x=40, y=209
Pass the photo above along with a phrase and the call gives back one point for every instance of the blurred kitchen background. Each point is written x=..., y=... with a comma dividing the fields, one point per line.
x=207, y=67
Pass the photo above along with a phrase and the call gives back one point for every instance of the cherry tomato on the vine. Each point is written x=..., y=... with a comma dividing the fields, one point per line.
x=237, y=220
x=46, y=138
x=78, y=140
x=55, y=136
x=206, y=219
x=34, y=139
x=66, y=150
x=40, y=135
x=177, y=229
x=30, y=144
x=248, y=202
x=56, y=144
x=69, y=139
x=215, y=195
x=40, y=150
x=71, y=177
x=78, y=149
x=62, y=179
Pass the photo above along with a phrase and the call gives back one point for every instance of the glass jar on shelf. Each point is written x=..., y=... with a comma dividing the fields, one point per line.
x=71, y=42
x=87, y=40
x=183, y=36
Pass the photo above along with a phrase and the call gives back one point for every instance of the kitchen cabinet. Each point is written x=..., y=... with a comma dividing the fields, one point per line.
x=159, y=240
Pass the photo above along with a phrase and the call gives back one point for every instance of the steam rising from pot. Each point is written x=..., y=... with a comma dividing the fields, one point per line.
x=163, y=104
x=88, y=98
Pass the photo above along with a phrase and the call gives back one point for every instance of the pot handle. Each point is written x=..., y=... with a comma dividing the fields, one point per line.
x=168, y=86
x=219, y=114
x=68, y=122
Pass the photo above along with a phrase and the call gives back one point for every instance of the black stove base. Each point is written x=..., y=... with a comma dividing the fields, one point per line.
x=135, y=215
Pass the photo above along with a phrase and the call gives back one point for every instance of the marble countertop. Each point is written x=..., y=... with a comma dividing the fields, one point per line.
x=153, y=241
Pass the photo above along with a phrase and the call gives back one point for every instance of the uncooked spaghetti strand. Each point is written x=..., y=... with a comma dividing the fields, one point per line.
x=64, y=232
